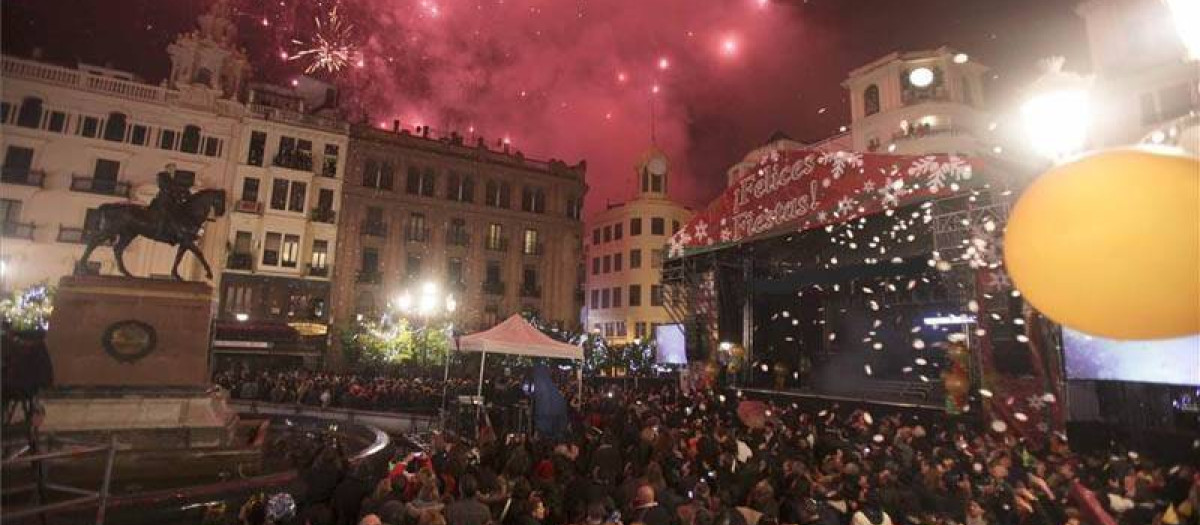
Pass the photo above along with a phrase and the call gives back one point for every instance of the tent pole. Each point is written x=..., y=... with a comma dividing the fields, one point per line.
x=479, y=389
x=579, y=376
x=446, y=380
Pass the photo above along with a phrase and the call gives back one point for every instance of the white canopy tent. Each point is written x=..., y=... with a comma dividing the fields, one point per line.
x=515, y=336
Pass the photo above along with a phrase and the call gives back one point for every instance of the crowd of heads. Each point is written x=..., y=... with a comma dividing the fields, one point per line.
x=327, y=390
x=663, y=457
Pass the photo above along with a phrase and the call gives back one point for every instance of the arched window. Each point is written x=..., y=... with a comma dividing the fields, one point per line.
x=191, y=139
x=871, y=100
x=114, y=129
x=30, y=114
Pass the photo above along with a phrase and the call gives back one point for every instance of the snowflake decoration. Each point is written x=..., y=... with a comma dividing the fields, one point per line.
x=677, y=244
x=840, y=161
x=891, y=191
x=938, y=175
x=1035, y=402
x=822, y=216
x=845, y=206
x=726, y=235
x=868, y=186
x=701, y=235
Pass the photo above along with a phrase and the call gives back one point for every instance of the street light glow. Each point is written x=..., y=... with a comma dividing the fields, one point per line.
x=404, y=302
x=921, y=77
x=451, y=304
x=1056, y=122
x=1186, y=13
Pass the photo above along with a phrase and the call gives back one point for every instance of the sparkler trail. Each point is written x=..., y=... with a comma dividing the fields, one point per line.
x=331, y=47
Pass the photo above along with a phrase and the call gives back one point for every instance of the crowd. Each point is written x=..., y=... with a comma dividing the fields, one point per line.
x=666, y=458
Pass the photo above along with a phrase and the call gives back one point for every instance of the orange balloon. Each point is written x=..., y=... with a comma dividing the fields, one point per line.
x=1109, y=244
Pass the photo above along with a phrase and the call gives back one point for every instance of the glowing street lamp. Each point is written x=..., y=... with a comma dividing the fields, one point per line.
x=1185, y=14
x=1058, y=112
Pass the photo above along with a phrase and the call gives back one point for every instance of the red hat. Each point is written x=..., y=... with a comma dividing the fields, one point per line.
x=544, y=470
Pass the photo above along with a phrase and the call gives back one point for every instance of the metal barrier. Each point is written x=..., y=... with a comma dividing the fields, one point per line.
x=396, y=422
x=42, y=483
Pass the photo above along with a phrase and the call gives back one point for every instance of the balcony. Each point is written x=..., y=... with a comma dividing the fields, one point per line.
x=240, y=261
x=318, y=271
x=375, y=229
x=369, y=277
x=920, y=131
x=294, y=160
x=23, y=176
x=71, y=235
x=458, y=238
x=531, y=290
x=493, y=287
x=323, y=215
x=254, y=207
x=116, y=188
x=413, y=234
x=532, y=249
x=496, y=244
x=17, y=230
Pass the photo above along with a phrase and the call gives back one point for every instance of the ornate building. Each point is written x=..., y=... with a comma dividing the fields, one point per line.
x=625, y=256
x=498, y=231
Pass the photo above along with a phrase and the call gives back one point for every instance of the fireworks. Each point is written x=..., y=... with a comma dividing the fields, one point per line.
x=331, y=47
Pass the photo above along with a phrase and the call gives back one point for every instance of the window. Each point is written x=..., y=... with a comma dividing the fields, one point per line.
x=374, y=215
x=656, y=258
x=370, y=174
x=635, y=295
x=5, y=110
x=413, y=185
x=58, y=124
x=140, y=135
x=412, y=267
x=574, y=207
x=656, y=182
x=656, y=298
x=607, y=263
x=639, y=328
x=364, y=304
x=166, y=139
x=457, y=232
x=291, y=250
x=618, y=231
x=90, y=128
x=533, y=200
x=499, y=194
x=212, y=146
x=297, y=196
x=114, y=128
x=529, y=279
x=369, y=261
x=250, y=189
x=531, y=246
x=596, y=236
x=491, y=315
x=454, y=272
x=386, y=176
x=106, y=171
x=325, y=199
x=617, y=259
x=460, y=187
x=674, y=227
x=279, y=194
x=30, y=113
x=493, y=272
x=10, y=210
x=241, y=242
x=271, y=246
x=330, y=162
x=616, y=297
x=595, y=300
x=428, y=182
x=190, y=143
x=658, y=226
x=605, y=298
x=185, y=178
x=416, y=227
x=635, y=259
x=871, y=100
x=495, y=237
x=595, y=266
x=258, y=148
x=320, y=255
x=526, y=198
x=635, y=226
x=608, y=233
x=18, y=161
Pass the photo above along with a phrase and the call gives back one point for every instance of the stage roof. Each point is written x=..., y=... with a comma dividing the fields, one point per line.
x=515, y=336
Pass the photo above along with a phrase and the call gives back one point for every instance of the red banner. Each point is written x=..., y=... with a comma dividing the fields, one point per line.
x=799, y=189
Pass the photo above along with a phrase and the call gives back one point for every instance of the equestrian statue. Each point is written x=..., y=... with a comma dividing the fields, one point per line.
x=176, y=216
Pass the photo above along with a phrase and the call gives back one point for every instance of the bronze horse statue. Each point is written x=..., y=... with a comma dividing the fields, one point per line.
x=122, y=222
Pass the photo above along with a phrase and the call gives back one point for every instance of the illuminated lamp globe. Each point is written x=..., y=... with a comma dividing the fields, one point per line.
x=920, y=77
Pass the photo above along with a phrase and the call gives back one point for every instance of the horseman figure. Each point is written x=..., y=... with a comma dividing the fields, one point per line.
x=175, y=216
x=168, y=203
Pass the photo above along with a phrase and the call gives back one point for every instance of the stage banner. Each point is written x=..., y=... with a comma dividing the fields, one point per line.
x=800, y=189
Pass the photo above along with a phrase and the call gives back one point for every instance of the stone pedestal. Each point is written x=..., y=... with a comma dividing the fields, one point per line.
x=130, y=357
x=122, y=332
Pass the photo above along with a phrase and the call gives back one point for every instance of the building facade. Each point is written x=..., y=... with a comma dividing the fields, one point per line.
x=918, y=102
x=282, y=233
x=625, y=256
x=498, y=231
x=78, y=137
x=1143, y=77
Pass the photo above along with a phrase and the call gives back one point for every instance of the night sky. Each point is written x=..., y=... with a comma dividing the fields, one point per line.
x=574, y=79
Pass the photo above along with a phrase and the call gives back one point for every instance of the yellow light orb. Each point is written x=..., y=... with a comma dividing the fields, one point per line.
x=1109, y=244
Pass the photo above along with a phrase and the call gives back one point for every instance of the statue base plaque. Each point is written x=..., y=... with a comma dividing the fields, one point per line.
x=130, y=357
